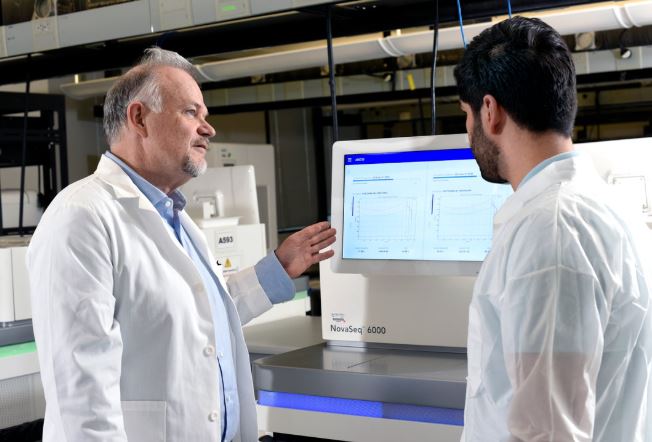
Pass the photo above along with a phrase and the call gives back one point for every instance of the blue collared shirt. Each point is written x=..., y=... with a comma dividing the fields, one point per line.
x=274, y=280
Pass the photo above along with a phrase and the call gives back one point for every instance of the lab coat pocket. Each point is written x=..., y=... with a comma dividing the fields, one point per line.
x=144, y=420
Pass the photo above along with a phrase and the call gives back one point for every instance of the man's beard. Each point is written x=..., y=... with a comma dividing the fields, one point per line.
x=486, y=154
x=194, y=169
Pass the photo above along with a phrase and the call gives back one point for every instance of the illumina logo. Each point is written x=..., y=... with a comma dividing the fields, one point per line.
x=338, y=317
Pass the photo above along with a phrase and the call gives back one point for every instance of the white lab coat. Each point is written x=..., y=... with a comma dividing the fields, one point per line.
x=559, y=345
x=123, y=324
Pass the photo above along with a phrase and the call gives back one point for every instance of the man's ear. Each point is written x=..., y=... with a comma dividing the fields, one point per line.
x=493, y=115
x=136, y=113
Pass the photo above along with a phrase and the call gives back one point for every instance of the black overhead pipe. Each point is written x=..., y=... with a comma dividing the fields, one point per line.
x=627, y=38
x=433, y=72
x=331, y=74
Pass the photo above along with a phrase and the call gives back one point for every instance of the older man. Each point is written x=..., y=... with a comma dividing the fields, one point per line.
x=139, y=335
x=560, y=326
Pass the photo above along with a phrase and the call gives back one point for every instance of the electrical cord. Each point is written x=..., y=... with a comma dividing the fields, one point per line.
x=509, y=8
x=422, y=124
x=459, y=15
x=23, y=157
x=331, y=74
x=433, y=65
x=1, y=226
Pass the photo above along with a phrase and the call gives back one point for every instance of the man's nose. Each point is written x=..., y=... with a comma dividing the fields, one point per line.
x=207, y=130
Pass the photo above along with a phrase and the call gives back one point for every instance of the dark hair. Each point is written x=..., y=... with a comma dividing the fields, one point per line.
x=527, y=67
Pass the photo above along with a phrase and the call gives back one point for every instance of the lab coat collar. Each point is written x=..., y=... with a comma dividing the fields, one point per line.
x=122, y=186
x=554, y=173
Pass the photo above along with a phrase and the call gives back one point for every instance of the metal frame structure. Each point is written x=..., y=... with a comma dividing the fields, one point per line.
x=46, y=140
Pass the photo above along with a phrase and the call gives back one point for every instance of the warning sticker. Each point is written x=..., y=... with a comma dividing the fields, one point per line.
x=230, y=263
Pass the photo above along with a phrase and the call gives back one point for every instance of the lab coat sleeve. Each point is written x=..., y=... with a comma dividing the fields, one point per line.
x=78, y=339
x=268, y=278
x=248, y=294
x=552, y=337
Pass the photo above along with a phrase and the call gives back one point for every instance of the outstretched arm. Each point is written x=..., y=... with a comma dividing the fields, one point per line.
x=255, y=289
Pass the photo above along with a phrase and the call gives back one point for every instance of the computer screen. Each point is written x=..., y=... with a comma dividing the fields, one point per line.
x=412, y=205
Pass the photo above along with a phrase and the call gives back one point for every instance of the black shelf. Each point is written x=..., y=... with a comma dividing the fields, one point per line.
x=45, y=140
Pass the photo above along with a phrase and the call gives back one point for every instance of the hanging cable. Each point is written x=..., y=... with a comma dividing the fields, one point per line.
x=509, y=8
x=331, y=74
x=422, y=119
x=433, y=66
x=1, y=226
x=23, y=156
x=459, y=15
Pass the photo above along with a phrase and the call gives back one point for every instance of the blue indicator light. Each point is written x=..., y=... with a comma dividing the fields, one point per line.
x=354, y=407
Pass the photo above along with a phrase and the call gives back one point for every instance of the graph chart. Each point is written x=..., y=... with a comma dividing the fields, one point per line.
x=384, y=218
x=463, y=217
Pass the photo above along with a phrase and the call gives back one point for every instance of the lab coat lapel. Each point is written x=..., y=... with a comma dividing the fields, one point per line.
x=241, y=355
x=120, y=183
x=196, y=236
x=198, y=239
x=137, y=204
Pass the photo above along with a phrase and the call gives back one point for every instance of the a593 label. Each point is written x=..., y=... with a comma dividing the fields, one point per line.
x=225, y=240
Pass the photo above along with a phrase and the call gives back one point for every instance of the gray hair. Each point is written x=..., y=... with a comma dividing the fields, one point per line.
x=140, y=83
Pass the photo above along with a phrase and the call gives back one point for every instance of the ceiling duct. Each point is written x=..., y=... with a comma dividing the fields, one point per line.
x=570, y=20
x=87, y=89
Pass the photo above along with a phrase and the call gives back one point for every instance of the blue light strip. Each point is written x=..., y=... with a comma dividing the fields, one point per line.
x=355, y=407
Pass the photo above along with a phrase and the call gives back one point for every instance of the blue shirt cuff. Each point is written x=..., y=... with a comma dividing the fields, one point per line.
x=274, y=279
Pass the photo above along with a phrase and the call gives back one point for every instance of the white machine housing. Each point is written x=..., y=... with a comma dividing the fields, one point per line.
x=233, y=230
x=11, y=208
x=404, y=310
x=627, y=165
x=432, y=311
x=393, y=302
x=262, y=157
x=229, y=191
x=15, y=304
x=236, y=246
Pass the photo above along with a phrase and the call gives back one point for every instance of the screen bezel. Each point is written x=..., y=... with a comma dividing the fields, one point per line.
x=389, y=267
